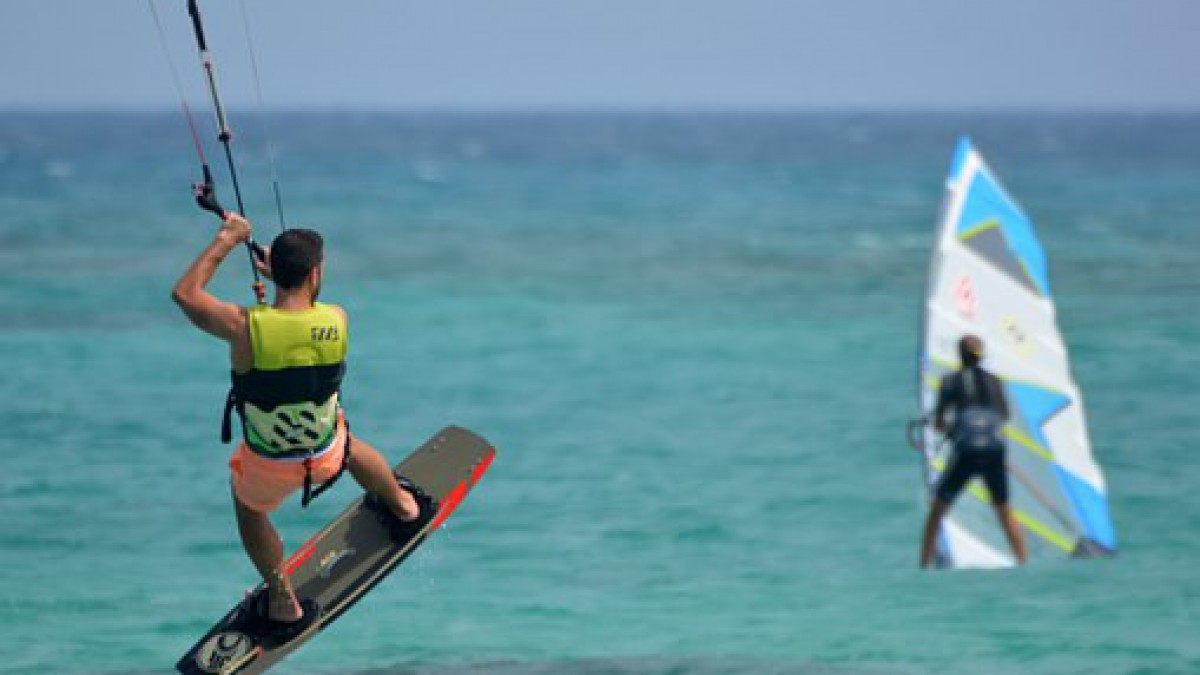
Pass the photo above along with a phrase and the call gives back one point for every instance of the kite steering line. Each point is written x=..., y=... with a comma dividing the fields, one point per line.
x=205, y=190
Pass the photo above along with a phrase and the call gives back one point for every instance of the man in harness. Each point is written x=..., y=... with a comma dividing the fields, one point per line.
x=980, y=411
x=288, y=360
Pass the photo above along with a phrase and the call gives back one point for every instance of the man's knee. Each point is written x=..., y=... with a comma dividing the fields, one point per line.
x=247, y=514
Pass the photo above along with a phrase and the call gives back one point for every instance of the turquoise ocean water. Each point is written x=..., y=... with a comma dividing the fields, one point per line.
x=691, y=338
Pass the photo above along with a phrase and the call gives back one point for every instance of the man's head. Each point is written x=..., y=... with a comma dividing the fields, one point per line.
x=295, y=255
x=970, y=350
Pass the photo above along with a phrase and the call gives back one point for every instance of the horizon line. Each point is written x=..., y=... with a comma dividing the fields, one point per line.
x=531, y=109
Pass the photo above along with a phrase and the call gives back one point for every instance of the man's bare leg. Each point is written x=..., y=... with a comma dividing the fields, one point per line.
x=265, y=548
x=937, y=511
x=1012, y=530
x=374, y=474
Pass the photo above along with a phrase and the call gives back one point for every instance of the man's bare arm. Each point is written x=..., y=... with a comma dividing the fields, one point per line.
x=211, y=315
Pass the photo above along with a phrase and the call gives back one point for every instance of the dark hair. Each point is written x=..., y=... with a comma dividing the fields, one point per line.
x=294, y=254
x=970, y=350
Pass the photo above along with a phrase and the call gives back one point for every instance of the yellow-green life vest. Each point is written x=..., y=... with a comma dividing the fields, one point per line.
x=288, y=400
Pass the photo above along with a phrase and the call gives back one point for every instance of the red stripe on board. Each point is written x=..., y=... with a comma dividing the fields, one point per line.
x=452, y=500
x=482, y=466
x=302, y=554
x=450, y=503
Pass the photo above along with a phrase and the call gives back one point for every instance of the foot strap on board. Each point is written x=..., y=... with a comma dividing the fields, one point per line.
x=403, y=530
x=282, y=631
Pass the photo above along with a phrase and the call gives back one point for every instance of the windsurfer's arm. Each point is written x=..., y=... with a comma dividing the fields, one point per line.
x=943, y=402
x=211, y=315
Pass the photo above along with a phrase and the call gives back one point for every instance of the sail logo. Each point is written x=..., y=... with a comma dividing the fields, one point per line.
x=964, y=297
x=1016, y=335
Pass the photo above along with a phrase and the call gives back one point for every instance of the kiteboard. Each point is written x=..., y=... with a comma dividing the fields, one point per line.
x=344, y=560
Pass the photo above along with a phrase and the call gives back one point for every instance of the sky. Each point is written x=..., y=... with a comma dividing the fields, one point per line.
x=598, y=54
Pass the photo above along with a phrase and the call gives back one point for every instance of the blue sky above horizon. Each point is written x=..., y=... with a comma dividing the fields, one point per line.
x=677, y=54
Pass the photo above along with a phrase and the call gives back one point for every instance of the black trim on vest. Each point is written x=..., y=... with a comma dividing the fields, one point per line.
x=268, y=389
x=227, y=417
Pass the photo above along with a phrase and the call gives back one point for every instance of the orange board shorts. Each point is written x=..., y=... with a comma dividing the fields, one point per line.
x=262, y=484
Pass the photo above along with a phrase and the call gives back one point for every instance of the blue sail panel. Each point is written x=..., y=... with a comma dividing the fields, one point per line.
x=1091, y=508
x=987, y=202
x=1036, y=405
x=962, y=153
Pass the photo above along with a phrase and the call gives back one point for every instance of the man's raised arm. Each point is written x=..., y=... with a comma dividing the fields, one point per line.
x=211, y=315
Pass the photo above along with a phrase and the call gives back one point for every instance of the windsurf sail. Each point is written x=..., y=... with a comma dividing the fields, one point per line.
x=988, y=277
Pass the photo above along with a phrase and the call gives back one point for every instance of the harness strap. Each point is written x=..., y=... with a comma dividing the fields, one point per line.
x=227, y=418
x=310, y=493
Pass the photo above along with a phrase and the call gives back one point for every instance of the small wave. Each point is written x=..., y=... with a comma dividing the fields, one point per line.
x=637, y=666
x=623, y=666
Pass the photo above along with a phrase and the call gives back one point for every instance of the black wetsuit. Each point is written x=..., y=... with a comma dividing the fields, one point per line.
x=967, y=388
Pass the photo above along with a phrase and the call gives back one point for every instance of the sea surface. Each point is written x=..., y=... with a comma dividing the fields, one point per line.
x=692, y=339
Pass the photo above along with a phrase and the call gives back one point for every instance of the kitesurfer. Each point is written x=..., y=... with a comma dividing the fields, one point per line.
x=288, y=360
x=979, y=409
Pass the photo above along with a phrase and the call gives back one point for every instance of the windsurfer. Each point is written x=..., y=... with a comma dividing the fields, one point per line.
x=980, y=410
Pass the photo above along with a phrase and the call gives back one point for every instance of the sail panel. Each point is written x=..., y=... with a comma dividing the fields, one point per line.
x=988, y=203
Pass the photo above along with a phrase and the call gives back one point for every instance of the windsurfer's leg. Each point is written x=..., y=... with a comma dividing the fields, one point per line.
x=1012, y=530
x=265, y=548
x=374, y=474
x=954, y=479
x=937, y=511
x=995, y=476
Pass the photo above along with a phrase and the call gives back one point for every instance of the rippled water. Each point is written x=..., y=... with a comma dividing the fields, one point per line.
x=691, y=339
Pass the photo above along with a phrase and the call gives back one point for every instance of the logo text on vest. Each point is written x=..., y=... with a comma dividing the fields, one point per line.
x=324, y=333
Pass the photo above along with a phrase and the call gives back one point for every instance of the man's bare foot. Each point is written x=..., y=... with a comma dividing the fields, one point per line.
x=281, y=600
x=406, y=507
x=411, y=512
